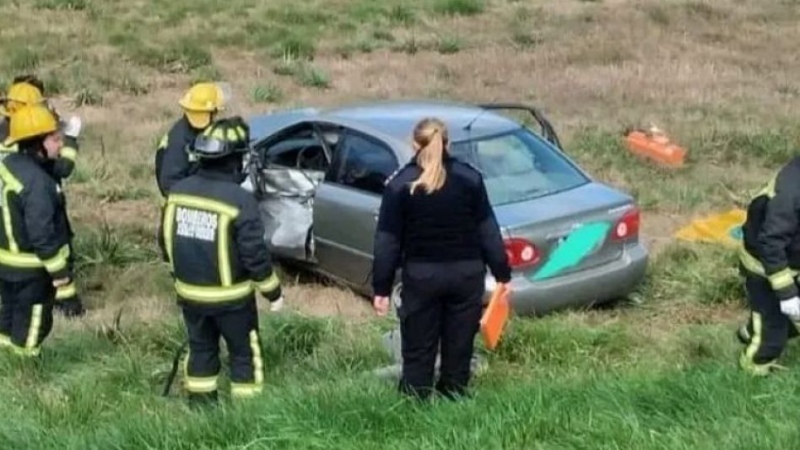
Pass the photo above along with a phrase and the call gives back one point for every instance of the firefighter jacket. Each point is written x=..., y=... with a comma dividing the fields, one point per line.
x=35, y=235
x=213, y=237
x=173, y=162
x=61, y=168
x=771, y=233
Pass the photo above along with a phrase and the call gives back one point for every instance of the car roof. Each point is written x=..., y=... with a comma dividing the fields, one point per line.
x=394, y=118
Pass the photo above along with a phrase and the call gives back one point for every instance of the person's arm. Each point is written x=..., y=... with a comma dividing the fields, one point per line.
x=777, y=231
x=253, y=252
x=174, y=163
x=39, y=200
x=492, y=246
x=65, y=164
x=388, y=243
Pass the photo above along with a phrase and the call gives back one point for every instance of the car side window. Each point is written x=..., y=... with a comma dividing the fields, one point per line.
x=363, y=163
x=299, y=148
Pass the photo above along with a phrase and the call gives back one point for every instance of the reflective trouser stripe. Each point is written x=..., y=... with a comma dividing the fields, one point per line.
x=66, y=291
x=31, y=346
x=242, y=390
x=199, y=385
x=755, y=340
x=213, y=294
x=250, y=389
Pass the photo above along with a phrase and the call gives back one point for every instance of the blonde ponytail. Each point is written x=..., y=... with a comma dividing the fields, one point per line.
x=430, y=140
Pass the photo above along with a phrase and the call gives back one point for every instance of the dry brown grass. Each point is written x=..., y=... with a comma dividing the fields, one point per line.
x=688, y=66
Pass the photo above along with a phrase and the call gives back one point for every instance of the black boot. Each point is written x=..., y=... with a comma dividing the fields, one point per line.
x=204, y=400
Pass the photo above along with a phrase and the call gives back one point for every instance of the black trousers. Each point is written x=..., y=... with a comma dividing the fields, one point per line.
x=441, y=306
x=239, y=329
x=769, y=328
x=26, y=313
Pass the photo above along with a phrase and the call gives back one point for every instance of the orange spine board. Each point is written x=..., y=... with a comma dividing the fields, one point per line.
x=657, y=149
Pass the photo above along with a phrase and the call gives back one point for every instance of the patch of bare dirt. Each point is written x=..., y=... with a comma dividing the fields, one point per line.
x=328, y=301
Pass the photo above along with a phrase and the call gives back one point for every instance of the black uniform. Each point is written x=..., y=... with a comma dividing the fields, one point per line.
x=173, y=163
x=443, y=242
x=213, y=237
x=61, y=169
x=770, y=259
x=34, y=250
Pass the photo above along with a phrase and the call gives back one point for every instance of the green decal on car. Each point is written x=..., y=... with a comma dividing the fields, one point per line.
x=579, y=244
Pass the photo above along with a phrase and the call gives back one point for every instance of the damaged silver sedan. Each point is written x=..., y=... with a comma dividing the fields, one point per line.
x=319, y=175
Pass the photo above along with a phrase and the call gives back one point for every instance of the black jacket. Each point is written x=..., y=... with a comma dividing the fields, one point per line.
x=456, y=223
x=771, y=233
x=37, y=241
x=172, y=161
x=213, y=237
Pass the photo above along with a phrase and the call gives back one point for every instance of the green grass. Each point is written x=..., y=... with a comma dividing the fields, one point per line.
x=657, y=371
x=568, y=380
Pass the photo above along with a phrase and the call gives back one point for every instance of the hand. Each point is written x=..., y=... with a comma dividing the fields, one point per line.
x=791, y=308
x=277, y=305
x=73, y=127
x=60, y=282
x=381, y=305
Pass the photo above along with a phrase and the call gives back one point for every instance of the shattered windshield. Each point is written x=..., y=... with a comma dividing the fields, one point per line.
x=517, y=166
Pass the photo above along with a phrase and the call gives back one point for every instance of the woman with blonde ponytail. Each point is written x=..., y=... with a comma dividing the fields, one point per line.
x=436, y=224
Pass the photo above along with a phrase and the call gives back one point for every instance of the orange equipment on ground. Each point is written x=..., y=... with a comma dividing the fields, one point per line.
x=655, y=145
x=495, y=317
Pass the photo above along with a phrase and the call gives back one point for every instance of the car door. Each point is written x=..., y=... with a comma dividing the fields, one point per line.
x=289, y=168
x=347, y=204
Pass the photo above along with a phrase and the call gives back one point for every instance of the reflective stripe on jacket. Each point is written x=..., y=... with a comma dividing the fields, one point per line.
x=35, y=231
x=213, y=238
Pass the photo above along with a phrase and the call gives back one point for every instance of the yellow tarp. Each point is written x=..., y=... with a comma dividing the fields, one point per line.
x=724, y=228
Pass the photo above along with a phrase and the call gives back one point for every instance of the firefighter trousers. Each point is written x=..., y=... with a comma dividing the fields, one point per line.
x=26, y=314
x=441, y=306
x=239, y=329
x=768, y=327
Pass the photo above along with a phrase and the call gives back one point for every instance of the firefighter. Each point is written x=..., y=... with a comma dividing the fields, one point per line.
x=29, y=90
x=201, y=103
x=34, y=243
x=435, y=222
x=769, y=259
x=213, y=239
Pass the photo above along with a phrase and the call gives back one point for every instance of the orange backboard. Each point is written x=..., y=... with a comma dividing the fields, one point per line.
x=495, y=316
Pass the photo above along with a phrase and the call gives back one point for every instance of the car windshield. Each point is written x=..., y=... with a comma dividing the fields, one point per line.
x=518, y=166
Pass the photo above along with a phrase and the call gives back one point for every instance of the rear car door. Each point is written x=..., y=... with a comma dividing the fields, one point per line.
x=347, y=205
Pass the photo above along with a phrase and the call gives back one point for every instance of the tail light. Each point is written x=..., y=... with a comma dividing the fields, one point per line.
x=628, y=225
x=521, y=253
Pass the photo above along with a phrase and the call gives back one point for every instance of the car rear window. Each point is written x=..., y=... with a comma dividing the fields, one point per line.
x=518, y=166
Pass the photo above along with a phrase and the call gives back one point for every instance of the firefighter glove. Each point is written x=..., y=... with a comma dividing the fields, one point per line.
x=791, y=308
x=71, y=307
x=73, y=127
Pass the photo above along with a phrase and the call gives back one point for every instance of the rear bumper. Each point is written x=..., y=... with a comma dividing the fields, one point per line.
x=597, y=285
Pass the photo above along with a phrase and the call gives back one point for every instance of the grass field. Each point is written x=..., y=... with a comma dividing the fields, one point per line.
x=658, y=372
